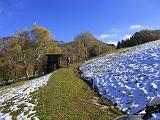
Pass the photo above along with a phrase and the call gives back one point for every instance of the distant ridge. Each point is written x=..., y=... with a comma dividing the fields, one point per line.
x=5, y=42
x=138, y=38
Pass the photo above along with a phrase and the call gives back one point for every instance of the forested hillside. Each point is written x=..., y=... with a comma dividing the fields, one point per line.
x=138, y=38
x=85, y=46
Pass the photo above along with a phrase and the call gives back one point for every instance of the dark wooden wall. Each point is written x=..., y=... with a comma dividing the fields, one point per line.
x=53, y=62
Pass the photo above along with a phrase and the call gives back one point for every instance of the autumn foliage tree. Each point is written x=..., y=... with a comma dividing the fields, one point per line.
x=27, y=55
x=85, y=46
x=88, y=46
x=43, y=45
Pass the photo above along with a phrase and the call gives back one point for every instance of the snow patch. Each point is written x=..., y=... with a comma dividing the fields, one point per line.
x=128, y=78
x=20, y=95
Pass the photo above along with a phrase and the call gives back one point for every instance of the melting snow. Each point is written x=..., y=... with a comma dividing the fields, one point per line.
x=20, y=95
x=128, y=78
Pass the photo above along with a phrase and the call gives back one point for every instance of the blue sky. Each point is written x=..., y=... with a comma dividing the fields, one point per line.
x=108, y=20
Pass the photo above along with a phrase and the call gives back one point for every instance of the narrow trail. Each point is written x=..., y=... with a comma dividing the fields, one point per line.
x=66, y=96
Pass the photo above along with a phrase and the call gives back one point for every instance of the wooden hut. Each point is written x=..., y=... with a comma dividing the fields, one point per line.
x=53, y=62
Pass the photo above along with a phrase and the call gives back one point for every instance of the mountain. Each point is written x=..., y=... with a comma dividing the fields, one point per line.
x=129, y=78
x=5, y=42
x=59, y=43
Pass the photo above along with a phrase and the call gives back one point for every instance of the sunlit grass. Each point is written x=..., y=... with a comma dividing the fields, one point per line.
x=68, y=97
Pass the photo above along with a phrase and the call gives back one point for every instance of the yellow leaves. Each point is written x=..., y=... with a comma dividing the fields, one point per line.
x=43, y=40
x=52, y=48
x=16, y=51
x=41, y=34
x=30, y=69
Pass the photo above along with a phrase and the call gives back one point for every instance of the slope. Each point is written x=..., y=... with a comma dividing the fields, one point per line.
x=129, y=78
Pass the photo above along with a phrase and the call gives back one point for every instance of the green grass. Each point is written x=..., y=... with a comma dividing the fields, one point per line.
x=67, y=97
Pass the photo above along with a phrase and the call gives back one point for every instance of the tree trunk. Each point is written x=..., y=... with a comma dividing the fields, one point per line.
x=35, y=70
x=25, y=70
x=34, y=73
x=26, y=74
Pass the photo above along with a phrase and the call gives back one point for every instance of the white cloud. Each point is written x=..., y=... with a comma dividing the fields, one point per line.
x=104, y=36
x=133, y=27
x=127, y=36
x=115, y=30
x=112, y=42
